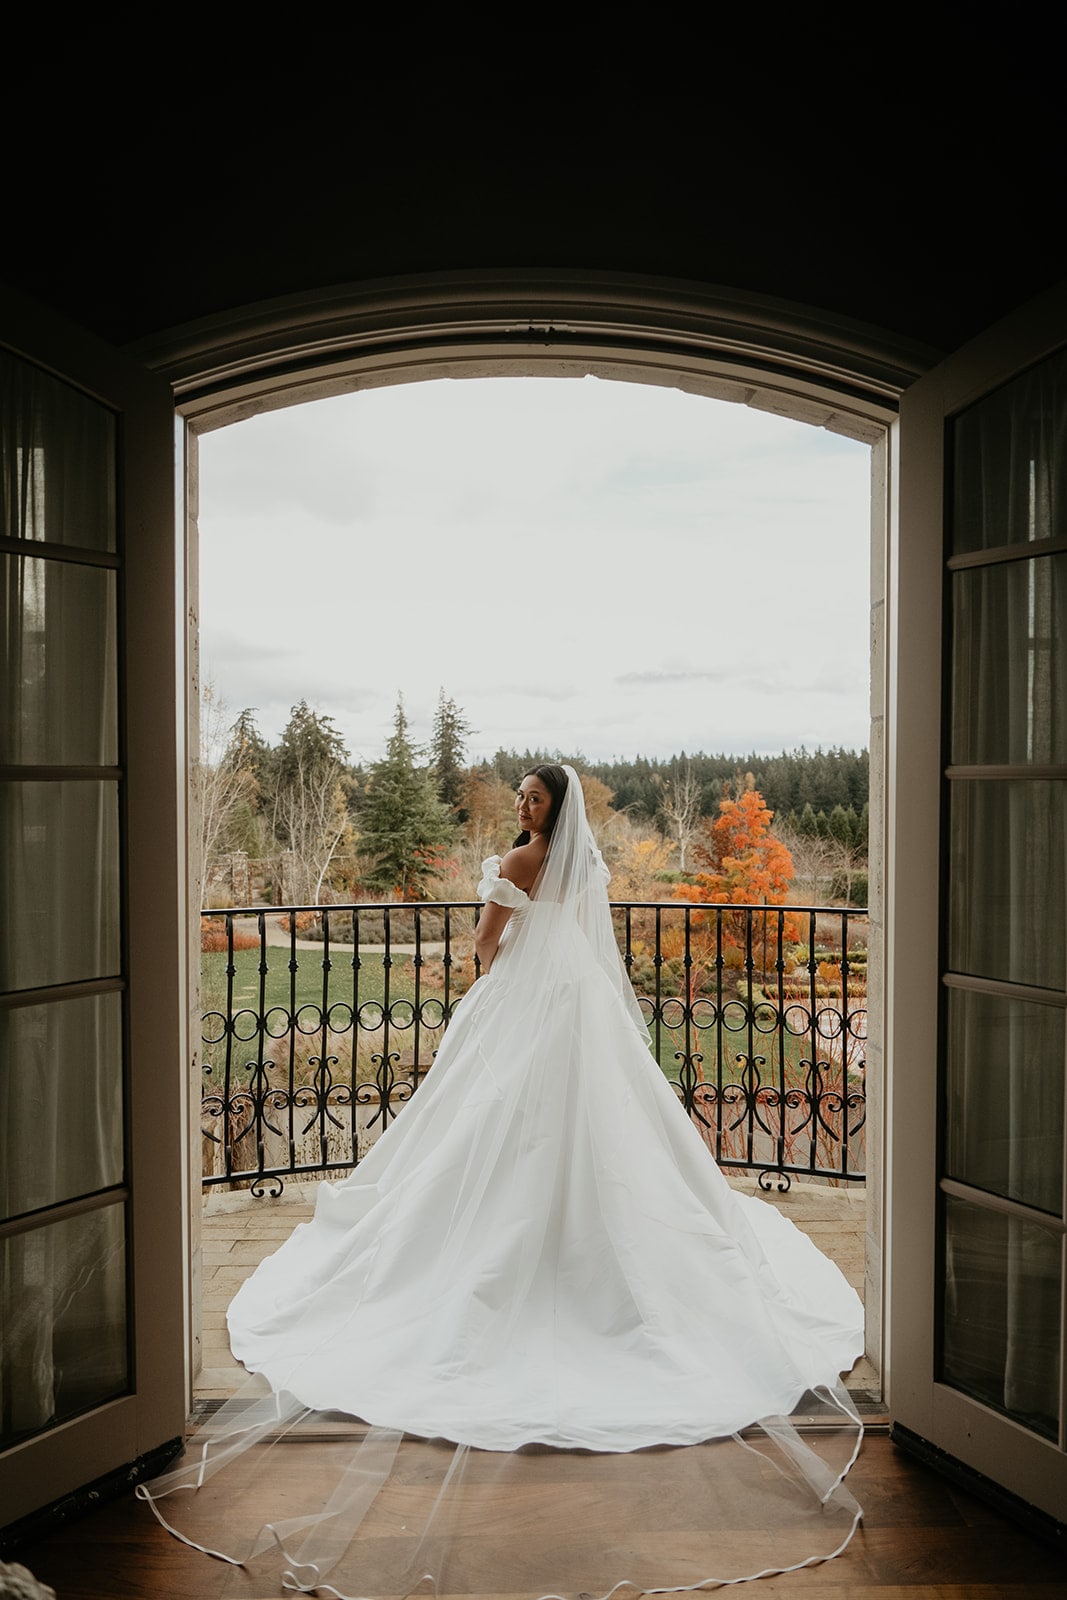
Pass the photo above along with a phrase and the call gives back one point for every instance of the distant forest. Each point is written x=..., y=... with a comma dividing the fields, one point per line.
x=420, y=820
x=788, y=782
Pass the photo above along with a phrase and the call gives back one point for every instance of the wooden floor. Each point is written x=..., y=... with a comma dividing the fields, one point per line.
x=921, y=1539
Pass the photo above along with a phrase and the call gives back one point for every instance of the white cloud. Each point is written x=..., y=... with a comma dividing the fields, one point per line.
x=585, y=565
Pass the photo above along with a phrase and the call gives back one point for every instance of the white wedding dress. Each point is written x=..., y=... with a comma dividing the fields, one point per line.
x=540, y=1249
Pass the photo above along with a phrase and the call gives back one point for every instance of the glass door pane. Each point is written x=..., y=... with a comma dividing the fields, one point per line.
x=1001, y=1313
x=79, y=1336
x=63, y=1189
x=1002, y=1060
x=1004, y=1096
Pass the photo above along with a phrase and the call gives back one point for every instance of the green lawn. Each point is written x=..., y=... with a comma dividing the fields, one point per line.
x=294, y=1056
x=300, y=995
x=305, y=985
x=290, y=993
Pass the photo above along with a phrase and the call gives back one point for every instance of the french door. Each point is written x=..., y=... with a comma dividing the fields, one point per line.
x=92, y=1139
x=977, y=890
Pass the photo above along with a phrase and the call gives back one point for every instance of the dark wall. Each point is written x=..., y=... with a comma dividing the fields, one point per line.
x=156, y=175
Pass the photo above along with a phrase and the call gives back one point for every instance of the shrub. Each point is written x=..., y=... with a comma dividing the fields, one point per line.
x=213, y=938
x=856, y=893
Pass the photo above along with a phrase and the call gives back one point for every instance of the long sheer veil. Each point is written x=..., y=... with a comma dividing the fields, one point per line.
x=608, y=1507
x=571, y=890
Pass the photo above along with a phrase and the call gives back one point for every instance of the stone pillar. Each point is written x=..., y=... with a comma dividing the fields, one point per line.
x=240, y=878
x=287, y=864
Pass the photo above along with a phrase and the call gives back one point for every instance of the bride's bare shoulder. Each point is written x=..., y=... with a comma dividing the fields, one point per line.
x=521, y=865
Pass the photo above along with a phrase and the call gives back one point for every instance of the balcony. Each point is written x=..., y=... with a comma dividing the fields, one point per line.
x=319, y=1024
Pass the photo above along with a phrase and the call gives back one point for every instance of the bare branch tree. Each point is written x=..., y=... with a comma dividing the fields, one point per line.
x=311, y=813
x=848, y=859
x=680, y=809
x=223, y=777
x=815, y=860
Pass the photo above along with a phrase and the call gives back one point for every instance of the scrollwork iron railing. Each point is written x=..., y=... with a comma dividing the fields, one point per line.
x=320, y=1022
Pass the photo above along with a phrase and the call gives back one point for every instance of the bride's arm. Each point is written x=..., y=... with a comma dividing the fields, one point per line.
x=491, y=925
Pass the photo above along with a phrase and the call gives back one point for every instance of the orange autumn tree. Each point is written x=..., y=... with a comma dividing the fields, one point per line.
x=745, y=866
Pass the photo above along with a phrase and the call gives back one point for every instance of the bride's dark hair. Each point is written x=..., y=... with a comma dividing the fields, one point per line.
x=555, y=781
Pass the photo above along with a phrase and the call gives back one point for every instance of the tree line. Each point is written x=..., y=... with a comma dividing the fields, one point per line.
x=416, y=823
x=821, y=779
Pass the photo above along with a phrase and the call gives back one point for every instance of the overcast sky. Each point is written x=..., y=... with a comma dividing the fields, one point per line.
x=588, y=566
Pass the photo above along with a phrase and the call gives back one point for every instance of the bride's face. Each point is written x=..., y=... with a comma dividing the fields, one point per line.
x=533, y=804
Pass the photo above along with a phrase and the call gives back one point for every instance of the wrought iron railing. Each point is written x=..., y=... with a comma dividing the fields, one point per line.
x=312, y=1045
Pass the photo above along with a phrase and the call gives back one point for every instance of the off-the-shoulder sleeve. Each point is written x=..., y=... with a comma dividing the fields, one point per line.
x=500, y=891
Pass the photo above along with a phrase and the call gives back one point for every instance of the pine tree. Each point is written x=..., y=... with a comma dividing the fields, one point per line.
x=808, y=825
x=310, y=744
x=448, y=750
x=404, y=828
x=254, y=750
x=842, y=824
x=309, y=803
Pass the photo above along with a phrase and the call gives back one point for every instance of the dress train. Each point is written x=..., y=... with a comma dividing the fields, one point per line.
x=537, y=1260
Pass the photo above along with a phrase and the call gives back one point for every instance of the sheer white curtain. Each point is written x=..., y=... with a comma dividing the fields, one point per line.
x=61, y=1071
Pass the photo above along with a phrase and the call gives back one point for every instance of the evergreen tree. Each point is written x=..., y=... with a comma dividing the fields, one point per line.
x=309, y=801
x=842, y=825
x=404, y=828
x=448, y=750
x=247, y=825
x=254, y=751
x=808, y=825
x=788, y=782
x=310, y=745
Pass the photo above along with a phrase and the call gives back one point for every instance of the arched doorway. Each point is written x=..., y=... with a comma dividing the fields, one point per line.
x=774, y=358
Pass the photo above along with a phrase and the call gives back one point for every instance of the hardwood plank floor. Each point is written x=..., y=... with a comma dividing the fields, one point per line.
x=922, y=1538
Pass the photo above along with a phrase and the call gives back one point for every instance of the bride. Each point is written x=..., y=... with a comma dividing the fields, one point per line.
x=540, y=1251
